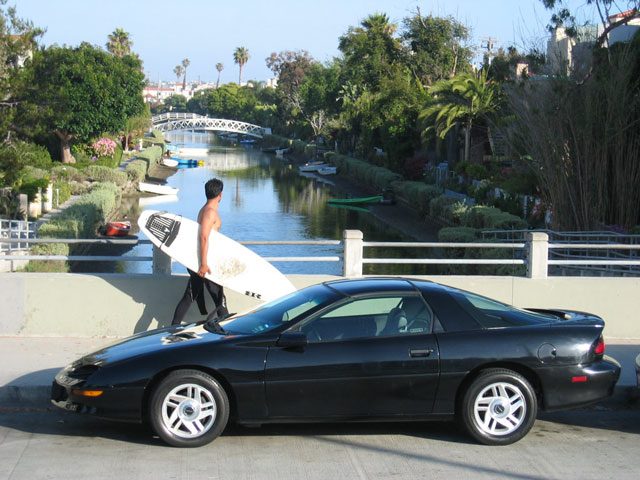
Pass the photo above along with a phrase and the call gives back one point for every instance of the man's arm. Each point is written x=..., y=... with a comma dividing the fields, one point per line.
x=206, y=224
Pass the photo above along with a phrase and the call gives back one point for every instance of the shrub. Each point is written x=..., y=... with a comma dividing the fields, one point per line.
x=31, y=187
x=98, y=173
x=151, y=155
x=136, y=170
x=61, y=192
x=418, y=194
x=440, y=207
x=67, y=172
x=458, y=234
x=93, y=208
x=104, y=147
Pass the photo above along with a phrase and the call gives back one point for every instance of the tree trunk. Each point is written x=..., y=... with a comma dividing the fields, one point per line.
x=240, y=77
x=467, y=141
x=65, y=147
x=218, y=81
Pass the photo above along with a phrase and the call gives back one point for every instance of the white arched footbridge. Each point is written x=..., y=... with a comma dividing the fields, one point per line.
x=167, y=122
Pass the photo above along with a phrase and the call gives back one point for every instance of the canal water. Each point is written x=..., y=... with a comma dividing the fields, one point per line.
x=267, y=198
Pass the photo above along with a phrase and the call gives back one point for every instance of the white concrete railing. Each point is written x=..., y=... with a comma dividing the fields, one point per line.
x=535, y=253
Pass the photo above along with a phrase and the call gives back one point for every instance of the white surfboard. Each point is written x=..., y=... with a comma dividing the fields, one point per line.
x=232, y=265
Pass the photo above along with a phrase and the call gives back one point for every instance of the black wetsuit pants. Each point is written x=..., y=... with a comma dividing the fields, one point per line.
x=195, y=291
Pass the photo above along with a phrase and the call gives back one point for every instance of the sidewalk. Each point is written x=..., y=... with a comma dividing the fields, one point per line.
x=29, y=365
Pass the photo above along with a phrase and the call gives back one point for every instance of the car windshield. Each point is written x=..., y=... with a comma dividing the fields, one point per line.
x=280, y=311
x=493, y=314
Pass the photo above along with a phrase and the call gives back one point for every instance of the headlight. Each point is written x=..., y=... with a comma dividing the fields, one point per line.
x=73, y=375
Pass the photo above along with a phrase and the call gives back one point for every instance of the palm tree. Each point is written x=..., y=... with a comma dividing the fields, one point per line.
x=185, y=65
x=219, y=68
x=460, y=100
x=178, y=71
x=241, y=57
x=119, y=43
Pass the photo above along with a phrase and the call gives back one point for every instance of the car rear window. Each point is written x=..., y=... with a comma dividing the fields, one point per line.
x=493, y=314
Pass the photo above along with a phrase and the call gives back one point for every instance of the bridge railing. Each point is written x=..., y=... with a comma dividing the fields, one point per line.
x=534, y=254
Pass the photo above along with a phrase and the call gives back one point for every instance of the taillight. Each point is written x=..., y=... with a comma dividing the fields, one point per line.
x=600, y=346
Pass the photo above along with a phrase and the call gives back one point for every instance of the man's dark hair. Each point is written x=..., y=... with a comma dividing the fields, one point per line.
x=213, y=188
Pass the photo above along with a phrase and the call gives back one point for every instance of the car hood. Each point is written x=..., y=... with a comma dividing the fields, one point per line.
x=151, y=342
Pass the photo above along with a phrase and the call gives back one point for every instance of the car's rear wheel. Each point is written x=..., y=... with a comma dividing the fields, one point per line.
x=188, y=408
x=499, y=407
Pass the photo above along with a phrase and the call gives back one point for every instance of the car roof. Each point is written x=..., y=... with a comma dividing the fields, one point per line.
x=371, y=285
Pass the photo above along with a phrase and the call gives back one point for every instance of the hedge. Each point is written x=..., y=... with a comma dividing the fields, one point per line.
x=150, y=155
x=490, y=217
x=99, y=173
x=67, y=172
x=136, y=170
x=418, y=194
x=458, y=234
x=80, y=220
x=377, y=177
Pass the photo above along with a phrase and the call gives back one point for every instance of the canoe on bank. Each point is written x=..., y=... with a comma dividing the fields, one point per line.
x=117, y=229
x=356, y=200
x=157, y=188
x=169, y=162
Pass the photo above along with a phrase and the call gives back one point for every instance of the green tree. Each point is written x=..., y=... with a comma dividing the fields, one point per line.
x=119, y=43
x=219, y=68
x=18, y=40
x=241, y=57
x=135, y=125
x=175, y=103
x=370, y=49
x=460, y=101
x=78, y=93
x=438, y=47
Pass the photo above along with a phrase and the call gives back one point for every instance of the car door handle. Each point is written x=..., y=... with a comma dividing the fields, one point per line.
x=420, y=352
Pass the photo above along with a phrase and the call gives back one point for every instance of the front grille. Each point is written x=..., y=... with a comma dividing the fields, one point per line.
x=58, y=393
x=164, y=229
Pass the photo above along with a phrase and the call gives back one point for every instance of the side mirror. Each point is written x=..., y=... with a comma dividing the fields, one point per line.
x=292, y=340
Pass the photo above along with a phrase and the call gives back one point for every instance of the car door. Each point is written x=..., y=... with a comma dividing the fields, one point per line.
x=362, y=359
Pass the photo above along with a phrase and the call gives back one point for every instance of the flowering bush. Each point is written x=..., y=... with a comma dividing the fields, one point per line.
x=104, y=147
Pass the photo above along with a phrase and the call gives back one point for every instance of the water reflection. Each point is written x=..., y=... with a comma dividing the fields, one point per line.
x=266, y=198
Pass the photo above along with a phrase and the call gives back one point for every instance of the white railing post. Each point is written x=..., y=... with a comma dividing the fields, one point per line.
x=161, y=263
x=537, y=249
x=353, y=253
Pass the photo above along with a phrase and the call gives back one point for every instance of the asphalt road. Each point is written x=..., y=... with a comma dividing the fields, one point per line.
x=597, y=443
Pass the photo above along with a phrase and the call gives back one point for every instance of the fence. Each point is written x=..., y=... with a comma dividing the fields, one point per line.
x=536, y=253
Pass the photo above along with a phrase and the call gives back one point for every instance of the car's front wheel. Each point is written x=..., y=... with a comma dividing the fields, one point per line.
x=499, y=407
x=188, y=408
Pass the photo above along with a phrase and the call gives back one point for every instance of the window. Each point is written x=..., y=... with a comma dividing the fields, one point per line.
x=493, y=314
x=370, y=317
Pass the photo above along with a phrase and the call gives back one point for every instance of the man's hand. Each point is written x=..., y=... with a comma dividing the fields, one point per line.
x=203, y=270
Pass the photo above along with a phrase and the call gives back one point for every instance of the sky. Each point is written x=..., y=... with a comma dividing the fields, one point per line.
x=208, y=31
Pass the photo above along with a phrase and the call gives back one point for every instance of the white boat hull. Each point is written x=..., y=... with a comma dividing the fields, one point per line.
x=157, y=189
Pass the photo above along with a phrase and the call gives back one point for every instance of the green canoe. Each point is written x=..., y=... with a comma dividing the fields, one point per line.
x=356, y=200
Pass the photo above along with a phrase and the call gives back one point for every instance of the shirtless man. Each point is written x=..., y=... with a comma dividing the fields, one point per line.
x=208, y=218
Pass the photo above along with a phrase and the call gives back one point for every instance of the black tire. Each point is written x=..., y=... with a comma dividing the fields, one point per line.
x=499, y=407
x=188, y=408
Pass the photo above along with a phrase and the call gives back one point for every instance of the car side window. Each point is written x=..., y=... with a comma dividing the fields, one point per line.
x=370, y=317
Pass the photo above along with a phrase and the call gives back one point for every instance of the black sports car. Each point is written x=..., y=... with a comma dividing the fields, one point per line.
x=366, y=349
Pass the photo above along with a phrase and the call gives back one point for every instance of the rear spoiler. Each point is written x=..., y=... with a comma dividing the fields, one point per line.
x=572, y=316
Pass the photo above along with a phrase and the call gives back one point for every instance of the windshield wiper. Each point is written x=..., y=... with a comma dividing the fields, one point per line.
x=213, y=324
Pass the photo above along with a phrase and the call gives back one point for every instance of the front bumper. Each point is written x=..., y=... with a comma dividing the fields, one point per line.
x=122, y=404
x=560, y=390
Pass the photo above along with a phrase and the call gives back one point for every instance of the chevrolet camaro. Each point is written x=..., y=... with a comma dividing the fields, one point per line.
x=373, y=349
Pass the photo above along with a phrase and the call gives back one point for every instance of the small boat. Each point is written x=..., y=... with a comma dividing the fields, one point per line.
x=156, y=200
x=117, y=229
x=247, y=141
x=327, y=170
x=169, y=162
x=188, y=161
x=312, y=166
x=352, y=208
x=356, y=200
x=157, y=188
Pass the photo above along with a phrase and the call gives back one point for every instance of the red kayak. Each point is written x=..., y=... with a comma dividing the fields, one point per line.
x=117, y=229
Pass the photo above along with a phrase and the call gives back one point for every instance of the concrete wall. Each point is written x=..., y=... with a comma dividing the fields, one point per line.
x=114, y=305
